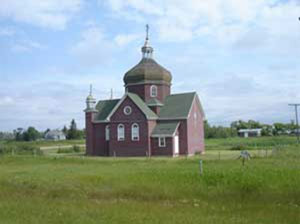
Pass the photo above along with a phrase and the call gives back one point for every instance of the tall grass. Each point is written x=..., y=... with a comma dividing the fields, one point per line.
x=156, y=190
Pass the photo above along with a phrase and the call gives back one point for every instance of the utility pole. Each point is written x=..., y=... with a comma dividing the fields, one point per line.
x=297, y=124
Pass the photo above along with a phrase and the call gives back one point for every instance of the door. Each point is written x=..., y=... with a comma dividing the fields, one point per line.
x=176, y=145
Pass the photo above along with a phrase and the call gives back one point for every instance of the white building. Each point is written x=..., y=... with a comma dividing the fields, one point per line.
x=55, y=135
x=250, y=132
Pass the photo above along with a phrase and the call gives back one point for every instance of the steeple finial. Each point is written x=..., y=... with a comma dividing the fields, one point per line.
x=111, y=93
x=147, y=50
x=91, y=89
x=147, y=32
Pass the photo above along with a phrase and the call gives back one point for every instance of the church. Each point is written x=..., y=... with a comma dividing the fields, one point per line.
x=148, y=120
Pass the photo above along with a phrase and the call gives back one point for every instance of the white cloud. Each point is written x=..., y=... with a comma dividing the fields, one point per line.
x=125, y=39
x=26, y=46
x=6, y=31
x=6, y=101
x=93, y=48
x=226, y=21
x=43, y=13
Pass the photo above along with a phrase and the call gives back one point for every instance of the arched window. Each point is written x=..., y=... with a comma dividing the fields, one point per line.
x=121, y=132
x=135, y=132
x=153, y=91
x=107, y=133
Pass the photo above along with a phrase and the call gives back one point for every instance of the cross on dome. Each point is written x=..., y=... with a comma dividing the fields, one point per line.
x=147, y=50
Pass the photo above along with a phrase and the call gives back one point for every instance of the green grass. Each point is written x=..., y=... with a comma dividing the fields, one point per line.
x=43, y=143
x=250, y=143
x=158, y=190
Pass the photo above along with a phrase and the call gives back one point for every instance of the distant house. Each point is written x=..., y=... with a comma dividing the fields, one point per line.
x=245, y=133
x=55, y=135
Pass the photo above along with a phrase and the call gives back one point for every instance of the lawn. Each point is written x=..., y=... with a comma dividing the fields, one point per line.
x=77, y=189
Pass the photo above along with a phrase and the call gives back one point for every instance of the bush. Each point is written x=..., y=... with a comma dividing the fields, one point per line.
x=74, y=149
x=20, y=150
x=238, y=147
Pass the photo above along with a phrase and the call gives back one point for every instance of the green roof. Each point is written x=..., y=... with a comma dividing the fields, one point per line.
x=105, y=107
x=165, y=129
x=177, y=106
x=154, y=102
x=141, y=104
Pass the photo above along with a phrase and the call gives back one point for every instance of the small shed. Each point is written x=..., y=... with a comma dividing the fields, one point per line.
x=55, y=135
x=245, y=133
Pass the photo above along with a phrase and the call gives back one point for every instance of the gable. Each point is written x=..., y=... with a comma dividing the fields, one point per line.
x=149, y=114
x=199, y=105
x=119, y=114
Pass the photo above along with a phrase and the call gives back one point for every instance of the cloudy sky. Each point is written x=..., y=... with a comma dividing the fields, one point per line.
x=241, y=56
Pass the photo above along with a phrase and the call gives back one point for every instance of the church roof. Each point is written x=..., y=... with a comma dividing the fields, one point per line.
x=104, y=107
x=165, y=129
x=154, y=102
x=142, y=105
x=177, y=106
x=147, y=70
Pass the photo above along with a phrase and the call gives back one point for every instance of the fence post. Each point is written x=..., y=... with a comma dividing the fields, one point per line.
x=201, y=167
x=219, y=155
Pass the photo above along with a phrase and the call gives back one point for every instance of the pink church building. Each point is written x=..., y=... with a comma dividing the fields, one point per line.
x=148, y=120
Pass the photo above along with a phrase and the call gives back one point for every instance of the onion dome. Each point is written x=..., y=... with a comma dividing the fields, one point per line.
x=90, y=101
x=147, y=70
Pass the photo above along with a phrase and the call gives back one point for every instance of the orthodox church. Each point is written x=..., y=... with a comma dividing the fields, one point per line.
x=148, y=120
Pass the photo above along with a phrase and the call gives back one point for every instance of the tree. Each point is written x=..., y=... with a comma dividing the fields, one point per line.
x=65, y=130
x=73, y=133
x=218, y=131
x=19, y=134
x=31, y=134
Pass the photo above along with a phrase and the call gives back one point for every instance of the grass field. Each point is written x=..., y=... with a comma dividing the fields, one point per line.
x=77, y=189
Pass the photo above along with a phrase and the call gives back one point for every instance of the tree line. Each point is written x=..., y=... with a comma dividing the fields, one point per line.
x=32, y=134
x=211, y=131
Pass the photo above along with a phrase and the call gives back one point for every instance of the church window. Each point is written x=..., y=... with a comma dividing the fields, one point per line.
x=162, y=142
x=135, y=132
x=121, y=132
x=127, y=110
x=107, y=133
x=153, y=91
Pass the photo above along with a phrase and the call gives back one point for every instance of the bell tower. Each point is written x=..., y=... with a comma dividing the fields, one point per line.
x=90, y=112
x=148, y=79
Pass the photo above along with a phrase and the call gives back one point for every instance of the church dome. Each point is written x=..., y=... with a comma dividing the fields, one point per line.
x=147, y=70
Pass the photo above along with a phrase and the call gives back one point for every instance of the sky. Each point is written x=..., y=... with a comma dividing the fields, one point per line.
x=241, y=56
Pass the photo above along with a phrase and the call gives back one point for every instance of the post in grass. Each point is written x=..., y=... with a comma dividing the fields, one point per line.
x=201, y=167
x=245, y=155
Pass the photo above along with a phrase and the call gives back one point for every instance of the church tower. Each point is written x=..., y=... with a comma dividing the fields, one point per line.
x=148, y=79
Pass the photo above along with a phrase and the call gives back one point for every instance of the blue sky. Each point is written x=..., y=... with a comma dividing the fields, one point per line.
x=241, y=56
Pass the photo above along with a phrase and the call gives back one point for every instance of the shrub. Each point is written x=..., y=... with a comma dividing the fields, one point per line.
x=20, y=150
x=238, y=147
x=74, y=149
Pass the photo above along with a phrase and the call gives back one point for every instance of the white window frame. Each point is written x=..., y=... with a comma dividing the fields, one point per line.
x=125, y=110
x=107, y=130
x=153, y=91
x=121, y=132
x=162, y=142
x=135, y=132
